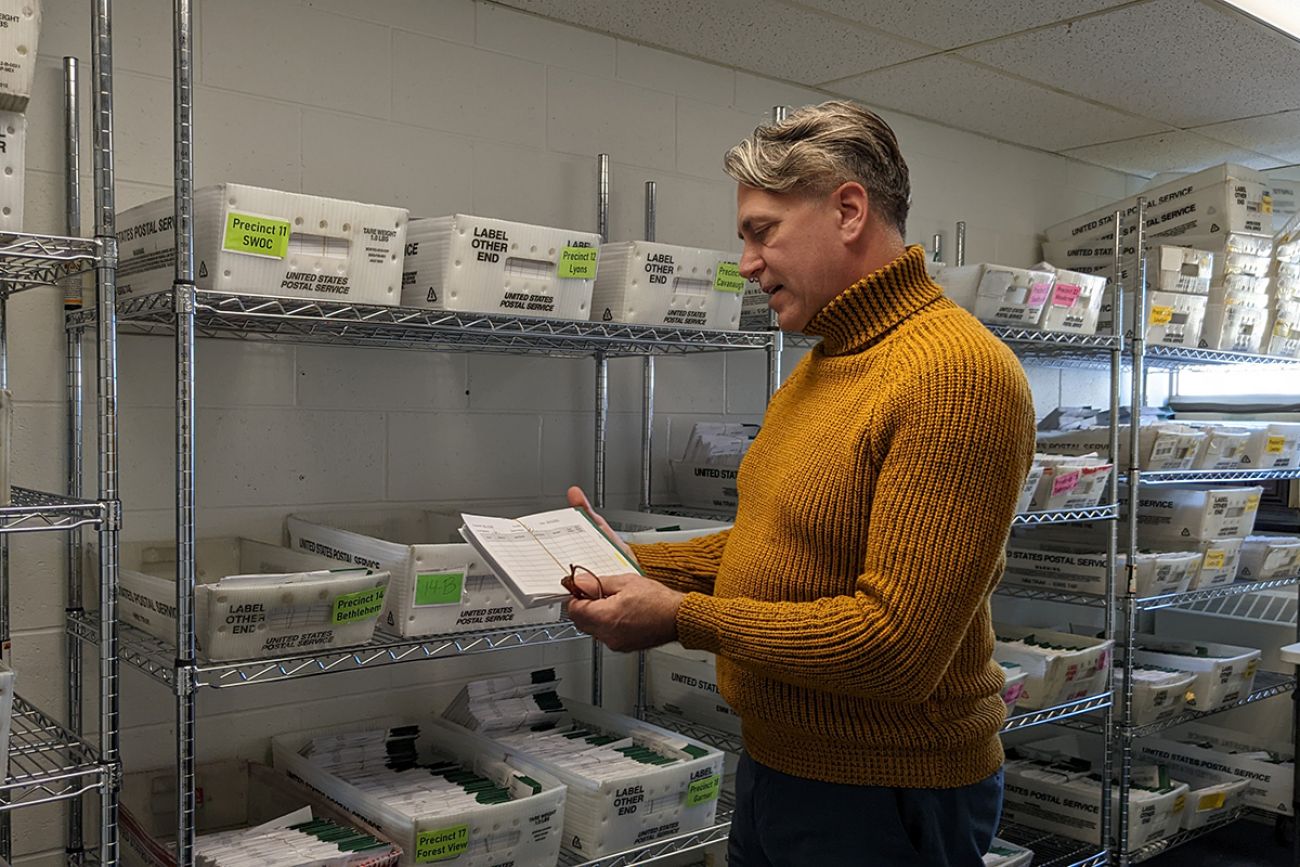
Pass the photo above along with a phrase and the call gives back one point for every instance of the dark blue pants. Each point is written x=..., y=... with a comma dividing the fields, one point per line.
x=785, y=821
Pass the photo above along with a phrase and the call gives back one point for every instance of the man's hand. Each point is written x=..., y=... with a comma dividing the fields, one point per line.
x=637, y=613
x=578, y=500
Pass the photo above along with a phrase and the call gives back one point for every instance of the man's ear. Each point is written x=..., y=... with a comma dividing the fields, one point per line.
x=852, y=204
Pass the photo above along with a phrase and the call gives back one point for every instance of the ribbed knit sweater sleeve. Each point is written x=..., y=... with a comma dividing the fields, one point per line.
x=951, y=441
x=689, y=566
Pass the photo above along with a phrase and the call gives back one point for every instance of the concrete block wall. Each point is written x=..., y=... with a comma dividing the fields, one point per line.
x=437, y=106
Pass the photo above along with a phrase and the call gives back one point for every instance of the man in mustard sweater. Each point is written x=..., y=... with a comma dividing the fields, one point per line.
x=849, y=604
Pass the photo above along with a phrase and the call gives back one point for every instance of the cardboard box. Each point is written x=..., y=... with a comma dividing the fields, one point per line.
x=477, y=264
x=1072, y=667
x=1000, y=295
x=648, y=283
x=1075, y=302
x=685, y=682
x=1224, y=673
x=13, y=162
x=1269, y=558
x=1175, y=319
x=255, y=241
x=1236, y=327
x=20, y=30
x=435, y=588
x=1158, y=694
x=229, y=795
x=251, y=600
x=1226, y=198
x=615, y=813
x=1080, y=568
x=1180, y=514
x=1180, y=269
x=1268, y=771
x=523, y=830
x=705, y=486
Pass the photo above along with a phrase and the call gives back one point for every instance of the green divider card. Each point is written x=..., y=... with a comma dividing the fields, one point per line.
x=351, y=607
x=256, y=236
x=728, y=279
x=577, y=263
x=440, y=588
x=442, y=844
x=703, y=791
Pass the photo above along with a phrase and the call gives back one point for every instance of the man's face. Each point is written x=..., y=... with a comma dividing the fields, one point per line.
x=793, y=249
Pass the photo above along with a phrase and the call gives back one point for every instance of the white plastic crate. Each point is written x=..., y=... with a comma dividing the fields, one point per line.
x=1029, y=487
x=251, y=599
x=648, y=283
x=1081, y=568
x=1075, y=302
x=1219, y=563
x=6, y=715
x=1236, y=327
x=1013, y=685
x=704, y=485
x=1212, y=795
x=1004, y=854
x=1074, y=668
x=611, y=815
x=1197, y=745
x=645, y=528
x=1069, y=483
x=1180, y=269
x=525, y=830
x=998, y=294
x=437, y=586
x=235, y=794
x=1185, y=514
x=1284, y=329
x=20, y=29
x=13, y=163
x=685, y=682
x=1223, y=448
x=1161, y=446
x=481, y=265
x=1175, y=319
x=1224, y=673
x=1158, y=695
x=255, y=241
x=1269, y=558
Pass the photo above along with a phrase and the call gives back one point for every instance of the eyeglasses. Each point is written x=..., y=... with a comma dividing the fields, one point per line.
x=570, y=582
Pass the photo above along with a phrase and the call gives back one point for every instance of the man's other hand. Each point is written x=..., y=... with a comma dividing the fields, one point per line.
x=578, y=500
x=637, y=613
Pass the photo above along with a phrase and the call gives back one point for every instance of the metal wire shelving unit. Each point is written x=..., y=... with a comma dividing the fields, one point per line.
x=49, y=761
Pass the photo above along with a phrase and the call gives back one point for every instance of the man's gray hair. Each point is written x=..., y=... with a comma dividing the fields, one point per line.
x=819, y=147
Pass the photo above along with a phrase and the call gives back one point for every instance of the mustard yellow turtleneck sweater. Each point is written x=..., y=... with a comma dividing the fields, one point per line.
x=849, y=604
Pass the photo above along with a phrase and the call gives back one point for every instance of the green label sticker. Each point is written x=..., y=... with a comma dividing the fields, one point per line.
x=442, y=844
x=256, y=236
x=439, y=588
x=728, y=278
x=703, y=791
x=351, y=607
x=577, y=263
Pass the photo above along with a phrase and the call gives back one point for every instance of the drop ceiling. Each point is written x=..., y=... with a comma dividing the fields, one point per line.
x=1143, y=86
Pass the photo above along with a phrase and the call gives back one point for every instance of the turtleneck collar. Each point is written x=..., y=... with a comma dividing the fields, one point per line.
x=863, y=312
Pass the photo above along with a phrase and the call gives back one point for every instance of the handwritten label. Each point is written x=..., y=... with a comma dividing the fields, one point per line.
x=440, y=588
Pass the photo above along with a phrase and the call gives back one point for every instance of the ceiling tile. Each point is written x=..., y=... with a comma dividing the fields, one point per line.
x=1185, y=63
x=982, y=100
x=764, y=36
x=1277, y=135
x=1177, y=151
x=933, y=22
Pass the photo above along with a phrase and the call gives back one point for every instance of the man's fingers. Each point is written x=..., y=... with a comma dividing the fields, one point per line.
x=578, y=499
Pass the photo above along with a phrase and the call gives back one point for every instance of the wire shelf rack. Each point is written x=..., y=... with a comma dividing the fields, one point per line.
x=46, y=762
x=1052, y=851
x=1143, y=603
x=690, y=841
x=35, y=511
x=1208, y=477
x=41, y=260
x=1057, y=713
x=1107, y=512
x=726, y=741
x=1150, y=850
x=255, y=317
x=1178, y=356
x=157, y=658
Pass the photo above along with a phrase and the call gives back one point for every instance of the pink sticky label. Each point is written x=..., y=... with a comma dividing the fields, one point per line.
x=1038, y=293
x=1012, y=693
x=1066, y=482
x=1066, y=294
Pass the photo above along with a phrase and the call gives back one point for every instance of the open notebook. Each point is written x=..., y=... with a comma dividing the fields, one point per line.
x=533, y=553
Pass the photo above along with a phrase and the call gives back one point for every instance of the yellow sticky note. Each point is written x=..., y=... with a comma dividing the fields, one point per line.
x=1212, y=801
x=1275, y=445
x=1215, y=559
x=1162, y=315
